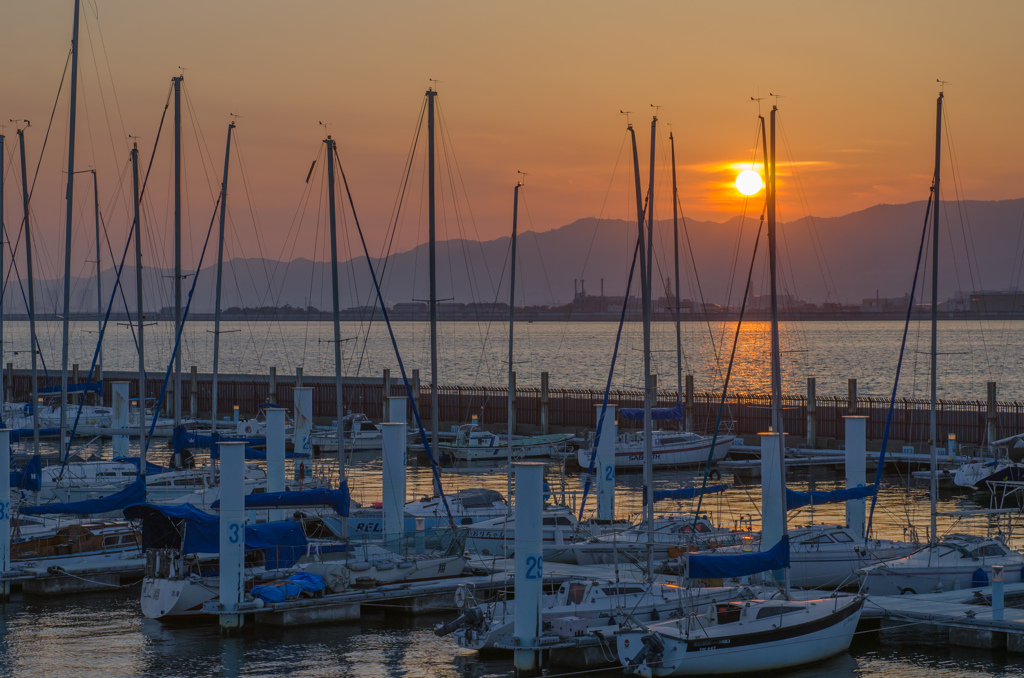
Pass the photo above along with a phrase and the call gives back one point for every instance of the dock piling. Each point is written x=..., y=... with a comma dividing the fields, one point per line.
x=852, y=397
x=394, y=469
x=773, y=508
x=529, y=566
x=604, y=466
x=997, y=592
x=689, y=407
x=545, y=404
x=275, y=455
x=272, y=394
x=992, y=413
x=232, y=534
x=395, y=409
x=856, y=454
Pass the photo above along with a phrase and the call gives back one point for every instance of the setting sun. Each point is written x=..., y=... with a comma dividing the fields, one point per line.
x=749, y=182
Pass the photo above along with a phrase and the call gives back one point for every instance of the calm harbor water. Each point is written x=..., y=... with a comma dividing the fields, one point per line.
x=106, y=635
x=577, y=355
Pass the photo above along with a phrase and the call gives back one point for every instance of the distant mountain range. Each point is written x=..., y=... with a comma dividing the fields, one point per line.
x=837, y=259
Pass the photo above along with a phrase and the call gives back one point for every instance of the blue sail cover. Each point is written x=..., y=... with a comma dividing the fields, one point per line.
x=133, y=494
x=688, y=492
x=741, y=564
x=87, y=387
x=151, y=468
x=657, y=413
x=282, y=542
x=795, y=500
x=29, y=477
x=338, y=500
x=185, y=438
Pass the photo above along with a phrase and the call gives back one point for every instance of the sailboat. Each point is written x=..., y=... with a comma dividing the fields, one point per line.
x=955, y=561
x=669, y=447
x=757, y=633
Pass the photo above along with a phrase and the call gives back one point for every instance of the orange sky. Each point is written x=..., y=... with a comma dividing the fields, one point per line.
x=531, y=86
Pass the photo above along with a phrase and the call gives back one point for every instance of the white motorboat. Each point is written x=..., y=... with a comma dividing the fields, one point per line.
x=742, y=637
x=360, y=433
x=668, y=448
x=578, y=607
x=956, y=562
x=467, y=506
x=497, y=536
x=671, y=536
x=473, y=443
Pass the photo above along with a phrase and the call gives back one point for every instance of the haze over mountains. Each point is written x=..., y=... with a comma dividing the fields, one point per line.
x=842, y=259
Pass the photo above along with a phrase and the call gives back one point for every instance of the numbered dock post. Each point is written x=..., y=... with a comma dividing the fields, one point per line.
x=302, y=441
x=396, y=408
x=773, y=508
x=5, y=511
x=119, y=420
x=856, y=460
x=275, y=456
x=393, y=467
x=232, y=534
x=529, y=564
x=604, y=464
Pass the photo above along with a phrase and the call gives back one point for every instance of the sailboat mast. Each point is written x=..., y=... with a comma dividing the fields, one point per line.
x=650, y=390
x=220, y=271
x=69, y=200
x=434, y=414
x=773, y=272
x=177, y=252
x=31, y=295
x=675, y=241
x=139, y=319
x=933, y=422
x=99, y=282
x=776, y=350
x=511, y=329
x=336, y=312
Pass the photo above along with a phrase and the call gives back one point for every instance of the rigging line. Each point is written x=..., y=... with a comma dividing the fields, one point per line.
x=401, y=365
x=728, y=376
x=110, y=75
x=181, y=328
x=819, y=250
x=974, y=269
x=49, y=126
x=899, y=363
x=700, y=290
x=611, y=374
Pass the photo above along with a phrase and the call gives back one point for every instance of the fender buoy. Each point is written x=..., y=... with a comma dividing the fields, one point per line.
x=715, y=475
x=460, y=597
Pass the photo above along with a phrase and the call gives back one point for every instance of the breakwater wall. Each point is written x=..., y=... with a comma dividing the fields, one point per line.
x=816, y=419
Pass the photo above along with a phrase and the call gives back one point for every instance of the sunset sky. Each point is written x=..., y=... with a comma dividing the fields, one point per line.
x=530, y=86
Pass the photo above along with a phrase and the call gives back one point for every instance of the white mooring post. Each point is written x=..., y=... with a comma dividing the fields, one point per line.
x=604, y=465
x=275, y=456
x=393, y=467
x=302, y=442
x=396, y=409
x=232, y=533
x=773, y=493
x=119, y=403
x=856, y=456
x=5, y=511
x=529, y=565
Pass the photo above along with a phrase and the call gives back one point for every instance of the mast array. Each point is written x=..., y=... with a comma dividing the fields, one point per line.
x=220, y=270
